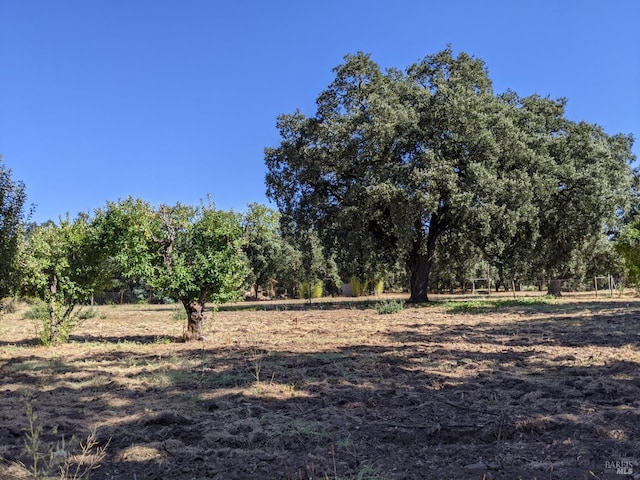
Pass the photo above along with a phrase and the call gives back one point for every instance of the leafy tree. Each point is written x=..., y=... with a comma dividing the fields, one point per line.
x=264, y=246
x=12, y=219
x=63, y=265
x=593, y=188
x=455, y=262
x=190, y=254
x=317, y=266
x=392, y=161
x=627, y=245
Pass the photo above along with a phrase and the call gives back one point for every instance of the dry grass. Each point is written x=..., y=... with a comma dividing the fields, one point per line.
x=452, y=390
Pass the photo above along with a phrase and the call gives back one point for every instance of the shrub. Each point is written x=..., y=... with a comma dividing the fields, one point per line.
x=310, y=291
x=38, y=311
x=356, y=286
x=47, y=333
x=389, y=306
x=378, y=287
x=179, y=313
x=86, y=314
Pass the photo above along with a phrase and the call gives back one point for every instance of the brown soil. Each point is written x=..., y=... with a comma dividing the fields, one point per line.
x=447, y=391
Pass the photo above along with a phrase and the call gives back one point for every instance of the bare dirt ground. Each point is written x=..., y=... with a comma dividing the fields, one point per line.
x=513, y=390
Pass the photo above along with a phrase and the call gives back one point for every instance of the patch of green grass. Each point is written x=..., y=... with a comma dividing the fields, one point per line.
x=493, y=305
x=388, y=307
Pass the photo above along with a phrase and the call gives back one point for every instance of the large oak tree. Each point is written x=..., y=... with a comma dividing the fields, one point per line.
x=393, y=160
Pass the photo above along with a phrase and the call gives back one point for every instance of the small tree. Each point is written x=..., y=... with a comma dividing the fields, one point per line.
x=190, y=254
x=63, y=265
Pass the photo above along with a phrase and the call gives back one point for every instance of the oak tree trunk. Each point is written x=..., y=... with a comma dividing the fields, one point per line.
x=419, y=279
x=421, y=259
x=555, y=288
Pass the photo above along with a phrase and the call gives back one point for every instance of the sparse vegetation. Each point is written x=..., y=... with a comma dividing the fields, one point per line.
x=475, y=305
x=387, y=307
x=63, y=459
x=281, y=388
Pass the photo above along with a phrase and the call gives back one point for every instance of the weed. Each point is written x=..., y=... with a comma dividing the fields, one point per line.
x=86, y=314
x=254, y=364
x=45, y=458
x=179, y=313
x=38, y=311
x=389, y=306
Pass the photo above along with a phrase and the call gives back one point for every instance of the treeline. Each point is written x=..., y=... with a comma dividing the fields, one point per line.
x=420, y=180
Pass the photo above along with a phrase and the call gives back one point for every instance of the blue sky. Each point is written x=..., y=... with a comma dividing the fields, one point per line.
x=172, y=100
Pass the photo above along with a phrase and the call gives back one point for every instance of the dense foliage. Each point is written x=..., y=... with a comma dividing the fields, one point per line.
x=63, y=265
x=12, y=218
x=394, y=164
x=190, y=254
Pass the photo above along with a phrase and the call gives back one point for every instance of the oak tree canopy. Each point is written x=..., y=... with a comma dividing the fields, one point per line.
x=393, y=161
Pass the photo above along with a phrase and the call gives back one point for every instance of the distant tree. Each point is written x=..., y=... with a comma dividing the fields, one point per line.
x=12, y=220
x=455, y=262
x=264, y=246
x=627, y=245
x=592, y=191
x=190, y=254
x=318, y=266
x=63, y=265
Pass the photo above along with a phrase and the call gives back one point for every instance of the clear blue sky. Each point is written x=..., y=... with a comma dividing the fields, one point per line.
x=171, y=100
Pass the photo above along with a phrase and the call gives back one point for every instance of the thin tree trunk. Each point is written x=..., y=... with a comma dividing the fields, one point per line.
x=53, y=321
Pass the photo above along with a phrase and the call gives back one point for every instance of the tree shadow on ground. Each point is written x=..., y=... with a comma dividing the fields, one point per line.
x=425, y=405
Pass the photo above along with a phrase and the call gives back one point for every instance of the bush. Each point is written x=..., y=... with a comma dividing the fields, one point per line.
x=356, y=286
x=310, y=291
x=38, y=311
x=86, y=314
x=60, y=331
x=179, y=313
x=378, y=287
x=389, y=306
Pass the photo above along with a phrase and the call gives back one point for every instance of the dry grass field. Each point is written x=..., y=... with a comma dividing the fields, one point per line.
x=492, y=389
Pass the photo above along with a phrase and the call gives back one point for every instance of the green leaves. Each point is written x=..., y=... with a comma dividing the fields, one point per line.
x=182, y=252
x=64, y=265
x=391, y=161
x=12, y=218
